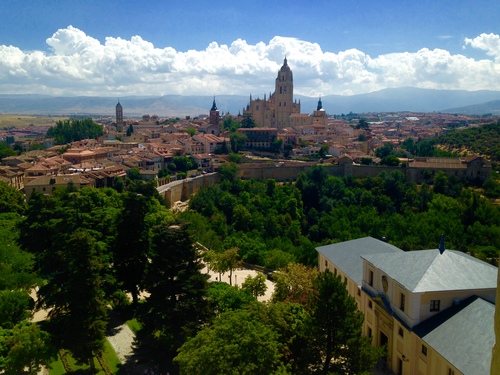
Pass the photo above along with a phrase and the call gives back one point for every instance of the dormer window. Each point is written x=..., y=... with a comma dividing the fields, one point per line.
x=402, y=302
x=370, y=278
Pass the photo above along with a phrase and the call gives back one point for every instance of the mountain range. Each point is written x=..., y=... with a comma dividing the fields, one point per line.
x=406, y=99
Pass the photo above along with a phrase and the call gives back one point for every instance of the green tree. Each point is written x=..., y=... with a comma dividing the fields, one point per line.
x=248, y=121
x=67, y=131
x=390, y=160
x=293, y=283
x=25, y=349
x=76, y=299
x=363, y=124
x=134, y=174
x=15, y=306
x=337, y=323
x=130, y=130
x=237, y=343
x=191, y=131
x=131, y=247
x=11, y=200
x=223, y=297
x=228, y=171
x=237, y=141
x=255, y=285
x=6, y=151
x=177, y=306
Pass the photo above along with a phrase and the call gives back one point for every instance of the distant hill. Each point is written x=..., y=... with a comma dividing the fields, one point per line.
x=388, y=100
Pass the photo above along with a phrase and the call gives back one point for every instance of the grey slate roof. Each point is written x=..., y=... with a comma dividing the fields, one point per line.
x=463, y=335
x=429, y=270
x=347, y=255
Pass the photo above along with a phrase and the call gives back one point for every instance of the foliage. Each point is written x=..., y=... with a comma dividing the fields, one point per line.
x=248, y=121
x=176, y=306
x=223, y=297
x=337, y=324
x=294, y=283
x=15, y=306
x=183, y=163
x=226, y=261
x=11, y=200
x=390, y=160
x=24, y=349
x=67, y=131
x=6, y=151
x=228, y=171
x=131, y=248
x=255, y=285
x=16, y=265
x=235, y=158
x=236, y=343
x=363, y=124
x=191, y=131
x=78, y=315
x=237, y=141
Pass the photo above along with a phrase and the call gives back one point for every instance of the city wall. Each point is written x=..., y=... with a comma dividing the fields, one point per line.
x=182, y=190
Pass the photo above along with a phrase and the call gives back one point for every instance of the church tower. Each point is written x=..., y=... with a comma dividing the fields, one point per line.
x=283, y=96
x=214, y=114
x=119, y=114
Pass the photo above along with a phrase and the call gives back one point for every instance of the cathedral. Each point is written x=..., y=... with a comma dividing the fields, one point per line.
x=281, y=110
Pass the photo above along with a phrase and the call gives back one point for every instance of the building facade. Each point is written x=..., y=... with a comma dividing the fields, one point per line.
x=281, y=110
x=433, y=310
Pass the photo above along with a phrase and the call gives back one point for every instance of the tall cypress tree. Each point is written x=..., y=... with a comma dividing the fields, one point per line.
x=177, y=305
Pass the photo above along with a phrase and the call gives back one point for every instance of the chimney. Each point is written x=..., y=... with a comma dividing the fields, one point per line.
x=441, y=244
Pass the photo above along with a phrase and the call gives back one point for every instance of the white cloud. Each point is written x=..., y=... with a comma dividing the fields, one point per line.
x=77, y=64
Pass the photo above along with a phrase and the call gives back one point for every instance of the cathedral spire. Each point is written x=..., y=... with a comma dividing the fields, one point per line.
x=320, y=104
x=285, y=62
x=214, y=106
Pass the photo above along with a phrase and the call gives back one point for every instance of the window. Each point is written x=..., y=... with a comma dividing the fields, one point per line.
x=369, y=332
x=402, y=302
x=370, y=305
x=335, y=271
x=435, y=305
x=370, y=278
x=281, y=90
x=401, y=332
x=451, y=372
x=359, y=291
x=424, y=350
x=326, y=263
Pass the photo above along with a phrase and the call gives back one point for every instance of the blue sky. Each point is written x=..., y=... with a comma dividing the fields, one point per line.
x=236, y=47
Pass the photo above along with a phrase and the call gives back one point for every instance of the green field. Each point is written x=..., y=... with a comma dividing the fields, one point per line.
x=22, y=121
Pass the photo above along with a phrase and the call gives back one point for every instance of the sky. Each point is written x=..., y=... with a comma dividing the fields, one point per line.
x=196, y=47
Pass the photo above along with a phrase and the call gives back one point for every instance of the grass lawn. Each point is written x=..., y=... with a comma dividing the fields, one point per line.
x=134, y=325
x=109, y=355
x=22, y=121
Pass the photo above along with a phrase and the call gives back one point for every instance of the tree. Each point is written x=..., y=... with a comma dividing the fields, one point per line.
x=248, y=121
x=228, y=171
x=15, y=306
x=134, y=174
x=236, y=343
x=177, y=306
x=24, y=349
x=226, y=261
x=293, y=283
x=237, y=141
x=191, y=131
x=6, y=151
x=390, y=160
x=255, y=285
x=363, y=124
x=130, y=130
x=131, y=247
x=11, y=199
x=336, y=325
x=223, y=297
x=76, y=299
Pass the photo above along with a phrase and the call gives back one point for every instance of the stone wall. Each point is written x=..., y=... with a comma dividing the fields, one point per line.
x=182, y=190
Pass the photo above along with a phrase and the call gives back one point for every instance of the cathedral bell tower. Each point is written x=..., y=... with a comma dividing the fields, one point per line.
x=283, y=95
